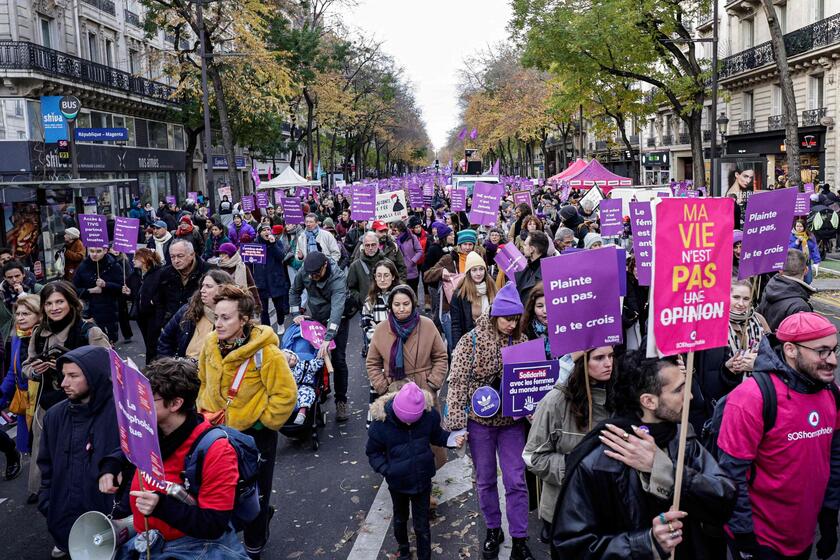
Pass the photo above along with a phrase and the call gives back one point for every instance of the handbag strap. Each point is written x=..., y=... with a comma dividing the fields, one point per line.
x=237, y=381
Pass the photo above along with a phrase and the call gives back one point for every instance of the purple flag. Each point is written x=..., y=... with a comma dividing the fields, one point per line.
x=255, y=175
x=474, y=134
x=462, y=134
x=458, y=199
x=803, y=204
x=611, y=219
x=522, y=197
x=510, y=260
x=253, y=253
x=525, y=384
x=363, y=203
x=581, y=295
x=137, y=419
x=94, y=230
x=126, y=231
x=262, y=199
x=486, y=201
x=641, y=224
x=292, y=210
x=766, y=232
x=495, y=170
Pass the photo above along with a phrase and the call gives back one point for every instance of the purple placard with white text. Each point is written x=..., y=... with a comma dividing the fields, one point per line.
x=171, y=199
x=415, y=196
x=522, y=197
x=809, y=188
x=610, y=214
x=363, y=202
x=486, y=200
x=803, y=204
x=248, y=204
x=193, y=195
x=641, y=225
x=292, y=210
x=458, y=198
x=126, y=231
x=278, y=197
x=582, y=298
x=253, y=253
x=94, y=230
x=510, y=260
x=262, y=199
x=525, y=384
x=767, y=223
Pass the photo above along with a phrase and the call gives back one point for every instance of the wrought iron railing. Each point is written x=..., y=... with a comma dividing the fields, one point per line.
x=775, y=122
x=684, y=138
x=667, y=139
x=746, y=126
x=651, y=142
x=133, y=19
x=811, y=37
x=705, y=17
x=106, y=6
x=812, y=117
x=22, y=55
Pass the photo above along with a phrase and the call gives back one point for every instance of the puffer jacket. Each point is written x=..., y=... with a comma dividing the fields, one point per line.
x=412, y=254
x=267, y=395
x=474, y=367
x=783, y=297
x=605, y=509
x=389, y=249
x=236, y=234
x=76, y=437
x=424, y=356
x=176, y=335
x=553, y=434
x=401, y=452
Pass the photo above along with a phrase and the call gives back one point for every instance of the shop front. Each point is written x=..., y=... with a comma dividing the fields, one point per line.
x=657, y=168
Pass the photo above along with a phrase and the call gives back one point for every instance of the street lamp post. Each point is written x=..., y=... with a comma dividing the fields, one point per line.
x=722, y=125
x=208, y=133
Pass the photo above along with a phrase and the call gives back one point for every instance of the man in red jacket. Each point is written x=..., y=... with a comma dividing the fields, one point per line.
x=184, y=528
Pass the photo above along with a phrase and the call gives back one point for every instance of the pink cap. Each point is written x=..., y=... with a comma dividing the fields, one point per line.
x=410, y=403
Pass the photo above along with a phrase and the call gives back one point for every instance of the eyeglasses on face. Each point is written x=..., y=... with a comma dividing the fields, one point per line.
x=823, y=353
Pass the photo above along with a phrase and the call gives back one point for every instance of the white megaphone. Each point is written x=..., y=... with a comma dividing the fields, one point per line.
x=95, y=536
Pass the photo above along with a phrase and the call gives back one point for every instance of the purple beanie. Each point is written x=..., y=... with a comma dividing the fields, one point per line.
x=737, y=236
x=507, y=302
x=442, y=230
x=228, y=248
x=410, y=403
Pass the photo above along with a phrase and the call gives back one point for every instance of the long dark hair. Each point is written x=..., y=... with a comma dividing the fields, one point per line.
x=66, y=289
x=524, y=212
x=374, y=290
x=195, y=309
x=536, y=293
x=576, y=394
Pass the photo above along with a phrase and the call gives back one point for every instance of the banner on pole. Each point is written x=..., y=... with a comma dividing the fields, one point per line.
x=292, y=210
x=253, y=253
x=94, y=230
x=126, y=232
x=769, y=216
x=248, y=204
x=522, y=197
x=458, y=199
x=363, y=202
x=486, y=201
x=525, y=384
x=611, y=218
x=262, y=199
x=391, y=207
x=641, y=225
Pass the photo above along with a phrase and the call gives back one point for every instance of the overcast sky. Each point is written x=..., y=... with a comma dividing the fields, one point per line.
x=431, y=39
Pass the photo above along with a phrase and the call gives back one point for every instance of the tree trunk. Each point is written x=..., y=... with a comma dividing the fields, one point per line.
x=318, y=149
x=788, y=97
x=695, y=132
x=227, y=132
x=332, y=159
x=189, y=155
x=310, y=112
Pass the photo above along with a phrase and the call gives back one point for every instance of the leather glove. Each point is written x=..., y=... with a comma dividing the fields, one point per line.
x=746, y=545
x=828, y=533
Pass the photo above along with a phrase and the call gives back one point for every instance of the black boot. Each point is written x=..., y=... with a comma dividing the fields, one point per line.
x=520, y=550
x=12, y=466
x=492, y=542
x=545, y=532
x=404, y=553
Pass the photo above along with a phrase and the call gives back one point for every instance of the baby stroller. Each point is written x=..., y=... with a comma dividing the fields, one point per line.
x=316, y=417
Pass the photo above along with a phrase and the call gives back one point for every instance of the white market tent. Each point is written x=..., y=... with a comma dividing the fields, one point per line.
x=286, y=180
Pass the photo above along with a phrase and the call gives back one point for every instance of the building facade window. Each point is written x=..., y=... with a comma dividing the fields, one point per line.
x=93, y=47
x=747, y=34
x=817, y=10
x=109, y=53
x=46, y=32
x=747, y=111
x=134, y=65
x=815, y=92
x=781, y=14
x=158, y=135
x=776, y=99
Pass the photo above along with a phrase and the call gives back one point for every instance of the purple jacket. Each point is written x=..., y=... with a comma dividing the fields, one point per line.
x=412, y=252
x=235, y=235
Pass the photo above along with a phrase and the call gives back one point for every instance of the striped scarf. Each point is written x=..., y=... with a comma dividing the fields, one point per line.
x=745, y=331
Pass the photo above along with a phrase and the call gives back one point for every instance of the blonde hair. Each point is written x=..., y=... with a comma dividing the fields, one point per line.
x=469, y=291
x=32, y=302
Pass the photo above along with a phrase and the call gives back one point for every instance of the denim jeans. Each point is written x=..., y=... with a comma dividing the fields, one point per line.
x=420, y=517
x=446, y=321
x=226, y=547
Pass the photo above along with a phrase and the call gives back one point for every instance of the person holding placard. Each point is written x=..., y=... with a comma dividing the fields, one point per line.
x=99, y=282
x=473, y=403
x=562, y=419
x=271, y=277
x=472, y=297
x=535, y=248
x=619, y=481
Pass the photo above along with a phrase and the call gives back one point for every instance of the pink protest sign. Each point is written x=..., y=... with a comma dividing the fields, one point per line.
x=692, y=272
x=314, y=332
x=522, y=197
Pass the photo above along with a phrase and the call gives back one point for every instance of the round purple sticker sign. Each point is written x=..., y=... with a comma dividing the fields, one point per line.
x=486, y=402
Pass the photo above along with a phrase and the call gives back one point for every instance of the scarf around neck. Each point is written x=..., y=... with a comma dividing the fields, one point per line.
x=312, y=240
x=745, y=331
x=803, y=242
x=402, y=330
x=481, y=289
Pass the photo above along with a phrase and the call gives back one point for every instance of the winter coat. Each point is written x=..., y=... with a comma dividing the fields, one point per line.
x=15, y=354
x=326, y=241
x=453, y=263
x=161, y=246
x=211, y=246
x=74, y=254
x=373, y=314
x=147, y=296
x=461, y=310
x=813, y=250
x=528, y=278
x=235, y=234
x=272, y=278
x=424, y=356
x=474, y=367
x=783, y=297
x=194, y=237
x=352, y=239
x=267, y=395
x=76, y=436
x=390, y=251
x=326, y=298
x=102, y=307
x=176, y=335
x=400, y=452
x=605, y=508
x=175, y=292
x=360, y=276
x=554, y=433
x=412, y=253
x=433, y=254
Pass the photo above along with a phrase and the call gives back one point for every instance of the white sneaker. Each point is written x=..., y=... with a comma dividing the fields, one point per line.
x=300, y=418
x=57, y=553
x=281, y=329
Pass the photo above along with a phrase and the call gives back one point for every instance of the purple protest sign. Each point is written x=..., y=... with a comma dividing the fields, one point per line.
x=802, y=207
x=692, y=193
x=278, y=197
x=641, y=224
x=522, y=197
x=292, y=210
x=253, y=253
x=94, y=230
x=248, y=204
x=611, y=219
x=363, y=202
x=458, y=199
x=136, y=419
x=415, y=196
x=314, y=332
x=766, y=232
x=193, y=195
x=126, y=231
x=621, y=262
x=171, y=199
x=255, y=175
x=510, y=260
x=581, y=295
x=525, y=384
x=531, y=351
x=428, y=189
x=262, y=199
x=809, y=188
x=486, y=200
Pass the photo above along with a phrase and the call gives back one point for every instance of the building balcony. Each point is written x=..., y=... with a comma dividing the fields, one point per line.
x=25, y=56
x=811, y=37
x=812, y=117
x=776, y=122
x=106, y=6
x=705, y=19
x=651, y=142
x=667, y=139
x=746, y=126
x=707, y=136
x=634, y=139
x=684, y=138
x=133, y=19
